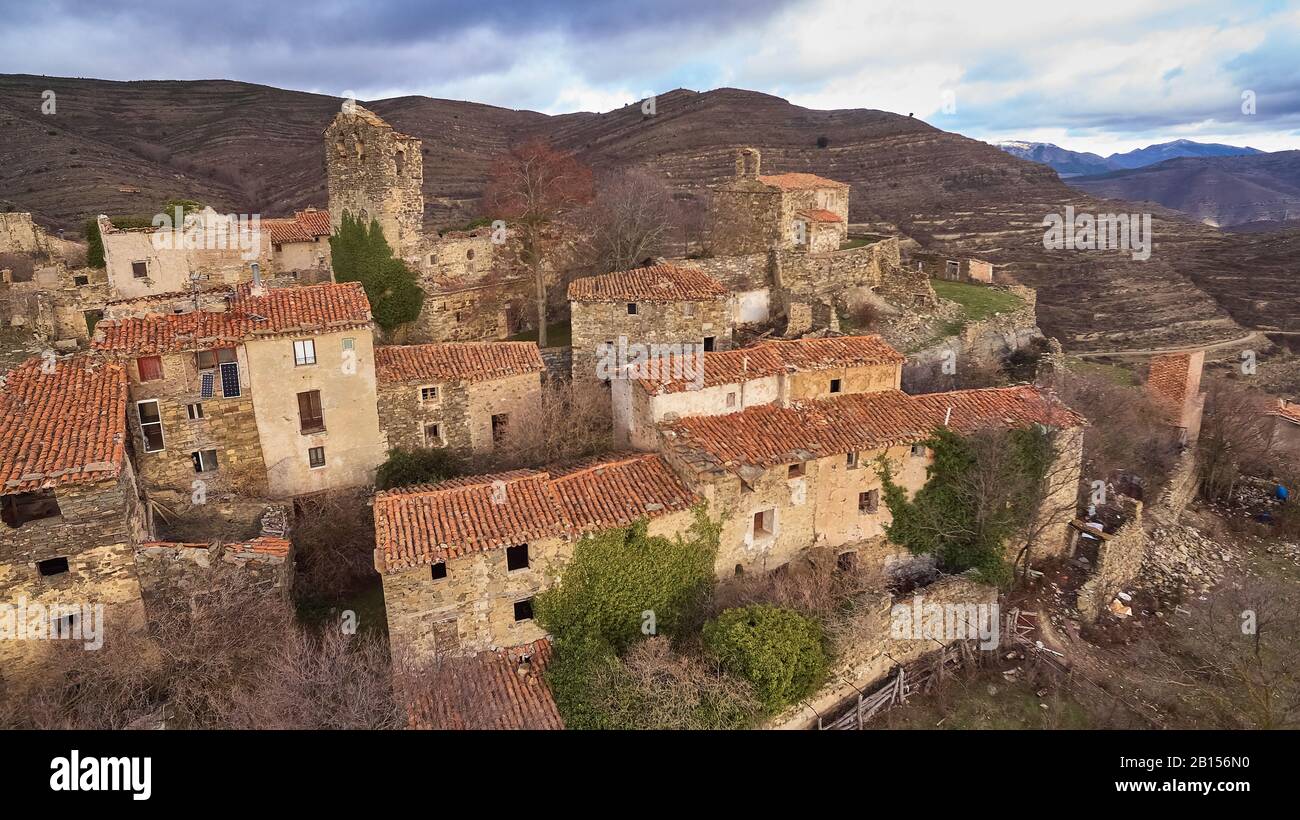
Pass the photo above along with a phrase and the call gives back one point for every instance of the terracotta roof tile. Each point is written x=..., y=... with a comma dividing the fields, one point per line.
x=456, y=361
x=820, y=215
x=428, y=524
x=774, y=357
x=799, y=182
x=303, y=226
x=280, y=312
x=768, y=435
x=657, y=283
x=490, y=690
x=61, y=427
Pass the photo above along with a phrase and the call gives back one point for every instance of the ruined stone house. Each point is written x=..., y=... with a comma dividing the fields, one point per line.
x=45, y=286
x=780, y=372
x=787, y=478
x=951, y=268
x=70, y=509
x=1284, y=437
x=263, y=391
x=755, y=213
x=462, y=560
x=474, y=290
x=463, y=396
x=657, y=305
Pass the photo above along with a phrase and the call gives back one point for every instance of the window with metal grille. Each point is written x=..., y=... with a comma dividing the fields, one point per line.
x=310, y=416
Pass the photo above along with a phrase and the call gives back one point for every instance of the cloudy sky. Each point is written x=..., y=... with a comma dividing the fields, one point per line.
x=1099, y=76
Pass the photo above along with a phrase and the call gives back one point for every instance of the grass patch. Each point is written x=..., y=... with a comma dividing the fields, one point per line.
x=987, y=701
x=1111, y=372
x=558, y=334
x=857, y=242
x=978, y=302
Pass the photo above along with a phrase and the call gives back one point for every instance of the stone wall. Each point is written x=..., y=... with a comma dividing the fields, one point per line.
x=229, y=426
x=481, y=313
x=463, y=411
x=858, y=667
x=595, y=323
x=99, y=525
x=172, y=574
x=1179, y=490
x=1119, y=558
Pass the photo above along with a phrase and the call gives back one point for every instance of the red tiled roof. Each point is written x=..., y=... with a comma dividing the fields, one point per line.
x=820, y=215
x=303, y=226
x=490, y=690
x=776, y=356
x=315, y=222
x=270, y=545
x=425, y=525
x=799, y=182
x=61, y=427
x=768, y=435
x=456, y=361
x=657, y=283
x=279, y=312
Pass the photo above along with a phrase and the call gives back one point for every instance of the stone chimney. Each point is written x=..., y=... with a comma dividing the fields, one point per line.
x=747, y=163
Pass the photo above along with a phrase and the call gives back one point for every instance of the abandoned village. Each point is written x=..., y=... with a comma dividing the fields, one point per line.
x=781, y=395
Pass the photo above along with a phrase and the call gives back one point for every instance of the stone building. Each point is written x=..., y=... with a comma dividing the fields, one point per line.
x=45, y=286
x=264, y=391
x=756, y=213
x=787, y=478
x=300, y=247
x=951, y=268
x=658, y=305
x=1285, y=433
x=780, y=372
x=474, y=289
x=376, y=173
x=458, y=395
x=1174, y=382
x=461, y=561
x=70, y=510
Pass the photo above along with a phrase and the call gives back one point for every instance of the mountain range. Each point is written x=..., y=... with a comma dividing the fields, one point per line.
x=1069, y=163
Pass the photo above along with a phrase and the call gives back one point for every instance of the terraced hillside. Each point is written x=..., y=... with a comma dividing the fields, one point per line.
x=124, y=147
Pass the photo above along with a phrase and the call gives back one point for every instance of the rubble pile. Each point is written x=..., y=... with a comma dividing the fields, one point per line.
x=1183, y=562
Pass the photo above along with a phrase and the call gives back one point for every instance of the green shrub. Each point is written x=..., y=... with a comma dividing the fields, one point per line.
x=623, y=583
x=420, y=466
x=361, y=254
x=779, y=651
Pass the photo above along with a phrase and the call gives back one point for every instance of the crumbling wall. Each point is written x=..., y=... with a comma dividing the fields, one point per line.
x=1119, y=559
x=1178, y=491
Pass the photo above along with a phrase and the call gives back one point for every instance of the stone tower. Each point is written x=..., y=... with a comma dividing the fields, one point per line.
x=376, y=173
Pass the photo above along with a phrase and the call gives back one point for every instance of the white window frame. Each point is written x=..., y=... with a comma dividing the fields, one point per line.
x=304, y=352
x=349, y=344
x=437, y=394
x=141, y=422
x=194, y=414
x=204, y=469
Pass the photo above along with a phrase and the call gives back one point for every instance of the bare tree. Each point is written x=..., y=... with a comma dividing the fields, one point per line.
x=1235, y=436
x=334, y=542
x=630, y=221
x=533, y=186
x=573, y=420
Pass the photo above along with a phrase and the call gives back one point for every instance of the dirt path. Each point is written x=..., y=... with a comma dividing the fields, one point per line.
x=1254, y=335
